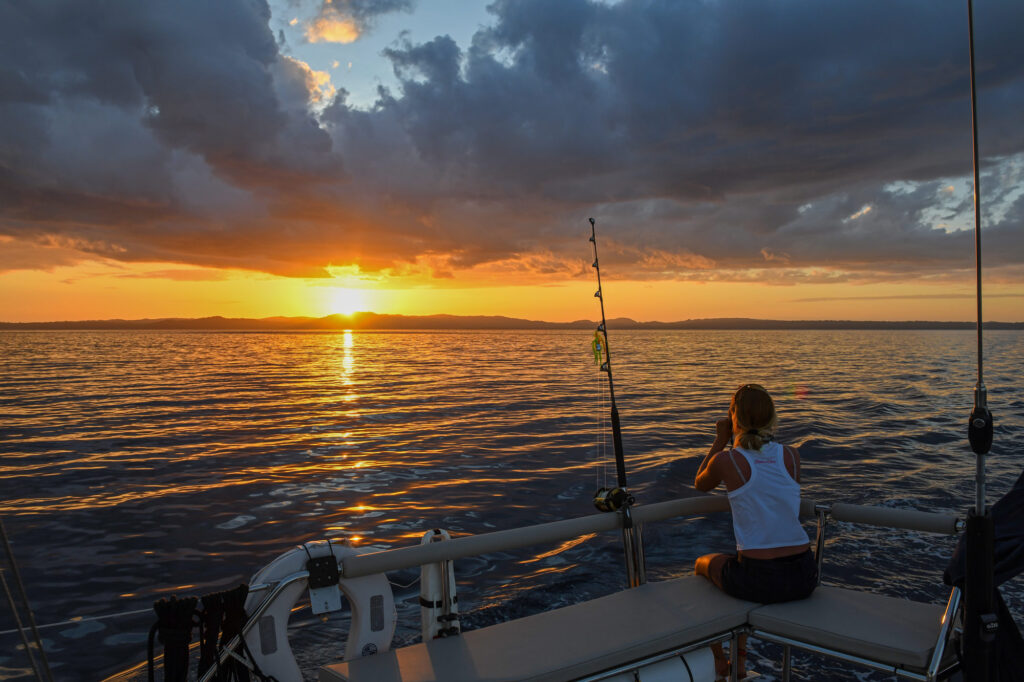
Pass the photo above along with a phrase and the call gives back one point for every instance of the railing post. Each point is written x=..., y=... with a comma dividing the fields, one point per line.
x=821, y=511
x=734, y=647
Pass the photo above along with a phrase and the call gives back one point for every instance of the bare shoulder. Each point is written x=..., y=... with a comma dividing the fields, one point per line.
x=735, y=469
x=717, y=462
x=791, y=456
x=724, y=461
x=711, y=475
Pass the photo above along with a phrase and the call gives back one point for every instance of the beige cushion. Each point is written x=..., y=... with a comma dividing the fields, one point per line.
x=872, y=626
x=565, y=643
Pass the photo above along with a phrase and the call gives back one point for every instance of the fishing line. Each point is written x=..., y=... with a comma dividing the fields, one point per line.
x=404, y=587
x=76, y=621
x=600, y=455
x=41, y=669
x=602, y=451
x=602, y=385
x=139, y=612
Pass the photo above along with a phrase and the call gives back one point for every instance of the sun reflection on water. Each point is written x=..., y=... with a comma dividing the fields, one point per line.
x=347, y=361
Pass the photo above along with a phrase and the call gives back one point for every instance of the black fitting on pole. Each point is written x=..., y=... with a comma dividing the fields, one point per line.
x=979, y=429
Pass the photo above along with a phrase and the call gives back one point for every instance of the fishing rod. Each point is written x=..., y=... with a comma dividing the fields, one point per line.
x=616, y=499
x=609, y=499
x=980, y=621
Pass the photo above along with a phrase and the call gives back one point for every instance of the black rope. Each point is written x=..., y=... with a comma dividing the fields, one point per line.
x=221, y=619
x=174, y=629
x=234, y=620
x=149, y=650
x=209, y=630
x=688, y=671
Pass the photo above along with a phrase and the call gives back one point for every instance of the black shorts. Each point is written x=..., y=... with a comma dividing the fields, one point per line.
x=767, y=581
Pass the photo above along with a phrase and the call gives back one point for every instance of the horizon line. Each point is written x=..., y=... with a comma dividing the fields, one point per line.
x=385, y=321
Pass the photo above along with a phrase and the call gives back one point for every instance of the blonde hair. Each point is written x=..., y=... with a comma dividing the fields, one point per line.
x=753, y=417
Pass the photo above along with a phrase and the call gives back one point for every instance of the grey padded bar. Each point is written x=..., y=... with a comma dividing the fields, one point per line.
x=557, y=531
x=473, y=545
x=515, y=538
x=927, y=522
x=689, y=506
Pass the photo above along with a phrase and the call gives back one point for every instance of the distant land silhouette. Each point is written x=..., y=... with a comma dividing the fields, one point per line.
x=374, y=321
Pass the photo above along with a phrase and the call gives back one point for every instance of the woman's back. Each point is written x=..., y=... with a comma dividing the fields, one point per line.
x=766, y=507
x=762, y=479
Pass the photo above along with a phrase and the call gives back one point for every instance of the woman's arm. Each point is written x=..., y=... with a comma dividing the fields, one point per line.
x=708, y=475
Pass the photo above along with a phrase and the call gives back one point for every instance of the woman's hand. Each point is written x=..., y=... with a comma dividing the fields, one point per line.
x=707, y=477
x=723, y=429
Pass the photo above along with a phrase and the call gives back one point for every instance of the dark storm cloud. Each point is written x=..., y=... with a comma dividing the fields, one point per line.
x=707, y=137
x=164, y=128
x=366, y=11
x=726, y=130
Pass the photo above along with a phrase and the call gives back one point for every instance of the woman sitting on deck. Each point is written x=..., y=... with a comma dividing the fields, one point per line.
x=773, y=560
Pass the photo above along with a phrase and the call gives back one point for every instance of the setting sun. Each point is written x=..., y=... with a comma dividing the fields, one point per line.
x=347, y=301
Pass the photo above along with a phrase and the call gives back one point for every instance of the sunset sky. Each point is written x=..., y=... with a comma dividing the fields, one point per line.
x=789, y=159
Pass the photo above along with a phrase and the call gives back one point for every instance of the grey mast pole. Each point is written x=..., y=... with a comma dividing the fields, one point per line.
x=980, y=621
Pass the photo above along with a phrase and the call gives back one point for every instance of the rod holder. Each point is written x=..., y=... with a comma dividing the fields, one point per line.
x=980, y=621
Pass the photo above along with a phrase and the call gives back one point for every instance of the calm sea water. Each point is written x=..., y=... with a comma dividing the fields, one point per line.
x=136, y=465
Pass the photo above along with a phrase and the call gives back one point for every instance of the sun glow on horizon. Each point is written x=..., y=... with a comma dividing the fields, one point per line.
x=344, y=301
x=99, y=290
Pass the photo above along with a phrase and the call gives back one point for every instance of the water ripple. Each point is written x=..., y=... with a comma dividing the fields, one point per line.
x=139, y=464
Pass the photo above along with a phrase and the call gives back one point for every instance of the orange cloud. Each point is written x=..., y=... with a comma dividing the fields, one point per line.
x=660, y=260
x=332, y=27
x=862, y=212
x=180, y=274
x=772, y=256
x=318, y=83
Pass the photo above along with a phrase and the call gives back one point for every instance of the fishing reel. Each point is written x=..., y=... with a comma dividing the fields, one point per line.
x=612, y=499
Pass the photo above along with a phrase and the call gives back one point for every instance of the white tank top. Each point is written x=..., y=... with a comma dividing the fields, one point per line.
x=766, y=509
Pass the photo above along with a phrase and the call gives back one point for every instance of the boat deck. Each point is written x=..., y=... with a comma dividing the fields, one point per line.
x=565, y=643
x=638, y=624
